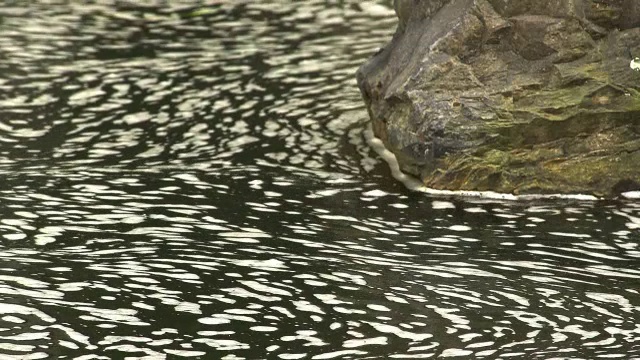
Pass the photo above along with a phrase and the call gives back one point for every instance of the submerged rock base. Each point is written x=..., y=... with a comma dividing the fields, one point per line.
x=515, y=96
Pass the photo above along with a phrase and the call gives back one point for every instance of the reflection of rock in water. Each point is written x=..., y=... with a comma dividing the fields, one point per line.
x=513, y=96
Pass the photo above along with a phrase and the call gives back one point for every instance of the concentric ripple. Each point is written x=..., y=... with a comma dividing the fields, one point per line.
x=193, y=182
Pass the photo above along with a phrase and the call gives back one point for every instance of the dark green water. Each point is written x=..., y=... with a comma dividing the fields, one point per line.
x=193, y=182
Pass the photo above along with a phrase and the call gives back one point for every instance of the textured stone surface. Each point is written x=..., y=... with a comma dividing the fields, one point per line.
x=515, y=96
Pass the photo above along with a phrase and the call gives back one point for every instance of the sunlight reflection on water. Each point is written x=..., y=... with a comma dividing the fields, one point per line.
x=195, y=182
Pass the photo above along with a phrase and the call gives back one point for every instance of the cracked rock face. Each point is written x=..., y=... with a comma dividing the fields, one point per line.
x=521, y=96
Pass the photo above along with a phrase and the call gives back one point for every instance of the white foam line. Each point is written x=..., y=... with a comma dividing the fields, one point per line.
x=415, y=185
x=632, y=195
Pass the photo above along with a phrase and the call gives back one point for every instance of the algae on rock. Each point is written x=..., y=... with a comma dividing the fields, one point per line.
x=514, y=96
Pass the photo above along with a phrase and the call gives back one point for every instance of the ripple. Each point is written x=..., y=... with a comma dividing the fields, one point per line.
x=194, y=181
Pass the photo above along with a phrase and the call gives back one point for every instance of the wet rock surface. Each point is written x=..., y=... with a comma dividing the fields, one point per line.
x=512, y=96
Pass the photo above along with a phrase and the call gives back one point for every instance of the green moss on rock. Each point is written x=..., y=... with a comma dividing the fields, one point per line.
x=510, y=97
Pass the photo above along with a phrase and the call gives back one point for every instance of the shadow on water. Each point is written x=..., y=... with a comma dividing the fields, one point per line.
x=194, y=182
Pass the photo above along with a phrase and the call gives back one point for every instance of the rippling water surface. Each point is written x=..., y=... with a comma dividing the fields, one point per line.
x=193, y=181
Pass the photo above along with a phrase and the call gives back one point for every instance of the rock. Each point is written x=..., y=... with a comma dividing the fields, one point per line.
x=518, y=96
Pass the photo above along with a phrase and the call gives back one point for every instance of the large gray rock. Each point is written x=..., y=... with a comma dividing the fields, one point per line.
x=511, y=95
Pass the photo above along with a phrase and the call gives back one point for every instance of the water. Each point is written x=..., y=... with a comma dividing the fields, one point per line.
x=193, y=182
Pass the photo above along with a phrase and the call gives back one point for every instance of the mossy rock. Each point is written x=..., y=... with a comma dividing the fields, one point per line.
x=513, y=96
